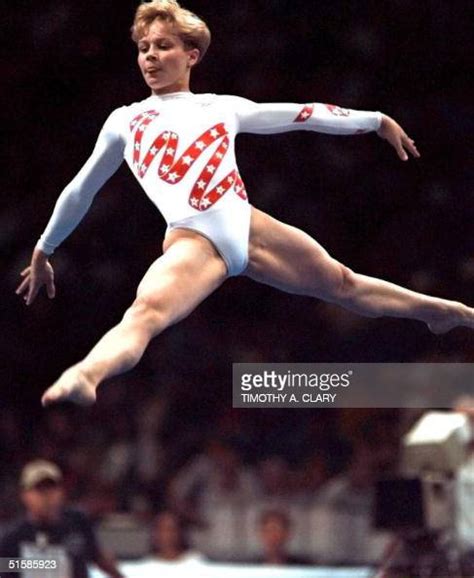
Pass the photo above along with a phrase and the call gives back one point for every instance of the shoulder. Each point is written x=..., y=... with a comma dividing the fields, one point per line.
x=112, y=129
x=233, y=100
x=14, y=532
x=16, y=525
x=120, y=118
x=122, y=114
x=134, y=106
x=77, y=518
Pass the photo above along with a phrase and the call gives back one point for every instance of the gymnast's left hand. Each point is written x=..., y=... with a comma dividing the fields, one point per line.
x=38, y=273
x=397, y=137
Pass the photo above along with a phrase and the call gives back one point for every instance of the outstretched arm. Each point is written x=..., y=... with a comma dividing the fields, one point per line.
x=270, y=118
x=75, y=200
x=71, y=206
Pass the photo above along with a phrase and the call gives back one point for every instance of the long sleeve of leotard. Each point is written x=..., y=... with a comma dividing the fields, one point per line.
x=269, y=118
x=75, y=200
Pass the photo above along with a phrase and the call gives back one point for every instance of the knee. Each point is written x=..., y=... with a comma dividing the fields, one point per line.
x=331, y=281
x=148, y=313
x=345, y=285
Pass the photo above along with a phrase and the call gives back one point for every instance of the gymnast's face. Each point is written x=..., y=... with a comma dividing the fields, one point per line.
x=164, y=60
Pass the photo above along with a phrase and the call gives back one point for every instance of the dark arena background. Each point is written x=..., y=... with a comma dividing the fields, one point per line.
x=164, y=435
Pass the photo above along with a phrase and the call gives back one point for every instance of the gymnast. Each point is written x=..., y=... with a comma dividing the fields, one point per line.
x=180, y=147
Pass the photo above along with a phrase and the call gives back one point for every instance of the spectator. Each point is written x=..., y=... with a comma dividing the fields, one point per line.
x=275, y=533
x=341, y=519
x=50, y=530
x=214, y=491
x=277, y=491
x=170, y=541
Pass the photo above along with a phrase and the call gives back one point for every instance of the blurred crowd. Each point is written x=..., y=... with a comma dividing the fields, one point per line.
x=131, y=455
x=164, y=435
x=317, y=478
x=237, y=489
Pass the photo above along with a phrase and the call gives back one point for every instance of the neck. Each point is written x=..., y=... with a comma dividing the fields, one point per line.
x=170, y=553
x=178, y=86
x=275, y=557
x=175, y=93
x=42, y=520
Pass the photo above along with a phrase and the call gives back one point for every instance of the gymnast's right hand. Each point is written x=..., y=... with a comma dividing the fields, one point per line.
x=37, y=274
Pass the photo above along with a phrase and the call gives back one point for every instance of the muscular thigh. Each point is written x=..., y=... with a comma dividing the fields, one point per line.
x=289, y=259
x=189, y=270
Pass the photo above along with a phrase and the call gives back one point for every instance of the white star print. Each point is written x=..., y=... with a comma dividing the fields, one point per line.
x=219, y=155
x=172, y=177
x=194, y=202
x=220, y=190
x=201, y=184
x=205, y=203
x=230, y=179
x=164, y=168
x=170, y=151
x=137, y=146
x=187, y=160
x=153, y=150
x=305, y=114
x=200, y=145
x=214, y=133
x=210, y=169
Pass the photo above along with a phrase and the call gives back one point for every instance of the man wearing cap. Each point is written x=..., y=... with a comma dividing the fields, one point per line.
x=50, y=531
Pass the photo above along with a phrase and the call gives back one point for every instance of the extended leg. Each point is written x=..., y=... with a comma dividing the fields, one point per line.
x=289, y=259
x=172, y=287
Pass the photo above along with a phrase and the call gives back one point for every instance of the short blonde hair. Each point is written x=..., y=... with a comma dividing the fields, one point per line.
x=193, y=31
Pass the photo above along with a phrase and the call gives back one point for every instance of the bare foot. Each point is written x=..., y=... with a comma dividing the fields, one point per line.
x=461, y=316
x=73, y=386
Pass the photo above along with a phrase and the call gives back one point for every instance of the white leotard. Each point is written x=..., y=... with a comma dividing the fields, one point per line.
x=180, y=147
